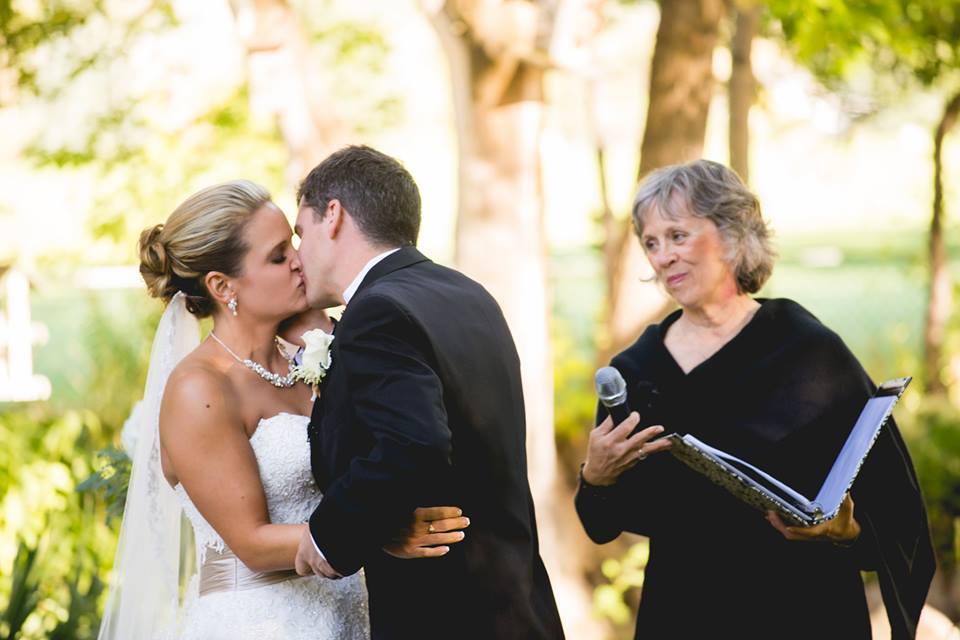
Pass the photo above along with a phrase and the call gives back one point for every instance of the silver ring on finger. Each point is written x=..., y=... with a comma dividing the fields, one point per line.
x=430, y=528
x=641, y=454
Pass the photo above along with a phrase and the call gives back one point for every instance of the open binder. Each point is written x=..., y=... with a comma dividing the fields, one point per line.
x=764, y=492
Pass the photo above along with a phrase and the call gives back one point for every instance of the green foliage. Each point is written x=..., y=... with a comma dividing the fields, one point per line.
x=355, y=57
x=624, y=580
x=21, y=32
x=98, y=349
x=110, y=480
x=82, y=609
x=222, y=144
x=919, y=38
x=43, y=459
x=23, y=592
x=107, y=140
x=576, y=400
x=51, y=479
x=144, y=172
x=144, y=167
x=932, y=431
x=30, y=29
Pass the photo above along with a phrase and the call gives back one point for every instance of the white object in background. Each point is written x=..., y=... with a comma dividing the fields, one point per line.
x=18, y=334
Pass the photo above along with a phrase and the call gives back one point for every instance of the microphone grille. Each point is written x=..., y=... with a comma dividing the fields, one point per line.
x=610, y=384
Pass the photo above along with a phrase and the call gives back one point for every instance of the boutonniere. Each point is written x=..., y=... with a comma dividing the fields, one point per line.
x=315, y=359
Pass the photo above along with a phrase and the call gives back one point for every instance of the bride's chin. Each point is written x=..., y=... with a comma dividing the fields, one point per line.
x=300, y=306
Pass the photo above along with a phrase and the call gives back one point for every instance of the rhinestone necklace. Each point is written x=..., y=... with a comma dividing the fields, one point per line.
x=277, y=380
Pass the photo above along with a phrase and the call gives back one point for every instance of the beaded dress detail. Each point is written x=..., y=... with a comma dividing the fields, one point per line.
x=294, y=608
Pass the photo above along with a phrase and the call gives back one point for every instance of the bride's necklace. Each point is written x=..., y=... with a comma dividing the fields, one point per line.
x=277, y=380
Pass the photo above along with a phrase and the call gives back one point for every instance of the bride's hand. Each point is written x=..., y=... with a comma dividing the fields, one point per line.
x=293, y=328
x=430, y=531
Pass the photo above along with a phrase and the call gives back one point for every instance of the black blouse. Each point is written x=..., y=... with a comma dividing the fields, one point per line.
x=783, y=394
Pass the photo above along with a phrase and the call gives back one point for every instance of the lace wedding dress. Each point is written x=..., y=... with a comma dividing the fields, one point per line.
x=227, y=600
x=224, y=599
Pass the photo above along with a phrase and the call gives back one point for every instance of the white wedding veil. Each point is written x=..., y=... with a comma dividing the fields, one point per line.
x=144, y=593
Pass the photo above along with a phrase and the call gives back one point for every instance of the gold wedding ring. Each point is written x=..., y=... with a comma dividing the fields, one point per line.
x=641, y=454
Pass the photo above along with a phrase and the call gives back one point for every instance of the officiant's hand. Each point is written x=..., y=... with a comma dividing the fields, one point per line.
x=612, y=450
x=842, y=530
x=429, y=532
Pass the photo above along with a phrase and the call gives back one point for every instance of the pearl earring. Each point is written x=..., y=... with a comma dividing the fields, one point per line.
x=232, y=305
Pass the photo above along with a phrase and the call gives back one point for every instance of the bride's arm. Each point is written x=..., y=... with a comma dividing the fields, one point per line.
x=293, y=328
x=205, y=445
x=207, y=448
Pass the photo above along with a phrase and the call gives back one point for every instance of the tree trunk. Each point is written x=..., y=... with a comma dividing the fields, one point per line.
x=681, y=86
x=497, y=52
x=742, y=88
x=940, y=296
x=607, y=221
x=285, y=85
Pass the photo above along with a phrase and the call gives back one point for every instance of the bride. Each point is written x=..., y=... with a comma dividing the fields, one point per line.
x=223, y=440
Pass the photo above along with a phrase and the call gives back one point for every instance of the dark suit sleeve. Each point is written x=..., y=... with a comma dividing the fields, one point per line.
x=398, y=400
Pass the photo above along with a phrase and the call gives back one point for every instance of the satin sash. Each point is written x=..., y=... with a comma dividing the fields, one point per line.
x=223, y=571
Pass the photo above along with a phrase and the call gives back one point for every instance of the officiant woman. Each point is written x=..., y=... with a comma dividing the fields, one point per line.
x=764, y=380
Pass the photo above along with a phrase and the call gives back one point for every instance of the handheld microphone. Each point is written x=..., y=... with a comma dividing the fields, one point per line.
x=612, y=390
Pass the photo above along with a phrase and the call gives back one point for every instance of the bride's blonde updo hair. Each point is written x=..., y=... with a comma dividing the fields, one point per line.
x=205, y=233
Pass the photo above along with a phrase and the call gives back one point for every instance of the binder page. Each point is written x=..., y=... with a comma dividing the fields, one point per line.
x=854, y=450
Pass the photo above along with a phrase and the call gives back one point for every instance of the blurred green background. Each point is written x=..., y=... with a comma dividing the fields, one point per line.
x=112, y=112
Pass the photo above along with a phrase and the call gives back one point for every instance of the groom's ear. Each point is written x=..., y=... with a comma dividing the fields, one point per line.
x=334, y=218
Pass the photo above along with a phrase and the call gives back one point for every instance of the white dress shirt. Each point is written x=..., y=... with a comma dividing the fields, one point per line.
x=348, y=293
x=351, y=290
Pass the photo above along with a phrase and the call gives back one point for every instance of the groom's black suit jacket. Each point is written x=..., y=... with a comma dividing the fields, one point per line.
x=423, y=406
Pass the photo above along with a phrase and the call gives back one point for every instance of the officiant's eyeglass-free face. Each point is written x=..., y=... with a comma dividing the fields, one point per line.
x=271, y=283
x=689, y=257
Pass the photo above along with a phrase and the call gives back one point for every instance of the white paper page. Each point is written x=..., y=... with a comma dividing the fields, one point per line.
x=847, y=464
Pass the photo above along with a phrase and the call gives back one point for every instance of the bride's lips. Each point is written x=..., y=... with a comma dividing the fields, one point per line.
x=674, y=280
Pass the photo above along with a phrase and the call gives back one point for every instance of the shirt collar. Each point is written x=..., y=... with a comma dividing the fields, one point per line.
x=352, y=288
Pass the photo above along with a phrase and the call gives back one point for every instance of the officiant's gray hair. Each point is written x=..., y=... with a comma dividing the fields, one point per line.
x=710, y=190
x=205, y=233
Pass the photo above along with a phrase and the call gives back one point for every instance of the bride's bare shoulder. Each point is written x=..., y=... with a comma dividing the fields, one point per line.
x=198, y=391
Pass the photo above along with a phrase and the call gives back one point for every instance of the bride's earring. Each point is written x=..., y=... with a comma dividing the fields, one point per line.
x=232, y=305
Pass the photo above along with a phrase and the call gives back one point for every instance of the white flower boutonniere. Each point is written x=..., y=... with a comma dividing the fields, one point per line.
x=315, y=360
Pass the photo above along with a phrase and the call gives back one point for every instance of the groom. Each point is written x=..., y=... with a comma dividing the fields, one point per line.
x=422, y=406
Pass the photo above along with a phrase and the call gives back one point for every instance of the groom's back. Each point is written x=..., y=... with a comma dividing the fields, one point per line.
x=494, y=583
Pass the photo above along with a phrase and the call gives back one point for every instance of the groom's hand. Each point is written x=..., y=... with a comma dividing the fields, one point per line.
x=310, y=560
x=429, y=533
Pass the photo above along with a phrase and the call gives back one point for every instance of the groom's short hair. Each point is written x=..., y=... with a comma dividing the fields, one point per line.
x=376, y=191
